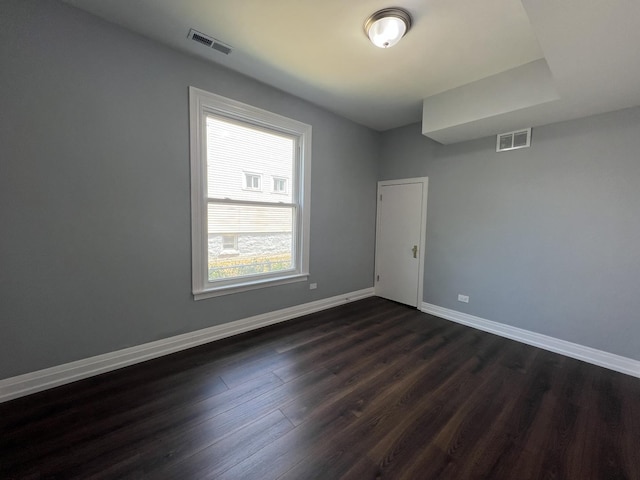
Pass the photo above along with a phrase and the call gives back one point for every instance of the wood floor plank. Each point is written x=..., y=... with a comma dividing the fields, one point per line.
x=630, y=435
x=367, y=390
x=368, y=371
x=142, y=396
x=441, y=413
x=280, y=456
x=174, y=444
x=354, y=346
x=370, y=375
x=382, y=412
x=210, y=461
x=89, y=422
x=299, y=351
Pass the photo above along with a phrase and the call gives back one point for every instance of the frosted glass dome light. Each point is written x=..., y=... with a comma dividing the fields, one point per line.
x=386, y=27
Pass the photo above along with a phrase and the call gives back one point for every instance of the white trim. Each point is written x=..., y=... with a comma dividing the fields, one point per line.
x=423, y=229
x=608, y=360
x=251, y=285
x=245, y=184
x=201, y=103
x=285, y=181
x=33, y=382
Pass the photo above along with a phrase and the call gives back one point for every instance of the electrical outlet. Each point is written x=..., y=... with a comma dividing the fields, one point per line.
x=463, y=298
x=313, y=286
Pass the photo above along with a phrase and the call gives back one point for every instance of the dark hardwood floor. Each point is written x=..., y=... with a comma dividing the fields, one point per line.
x=368, y=390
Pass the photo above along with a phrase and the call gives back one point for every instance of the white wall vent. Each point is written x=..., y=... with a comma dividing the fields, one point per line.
x=513, y=140
x=208, y=41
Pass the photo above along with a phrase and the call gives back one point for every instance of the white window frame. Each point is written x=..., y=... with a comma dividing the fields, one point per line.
x=202, y=103
x=245, y=184
x=273, y=185
x=234, y=242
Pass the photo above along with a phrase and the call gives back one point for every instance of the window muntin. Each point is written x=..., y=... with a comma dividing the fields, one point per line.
x=229, y=242
x=253, y=181
x=279, y=185
x=231, y=140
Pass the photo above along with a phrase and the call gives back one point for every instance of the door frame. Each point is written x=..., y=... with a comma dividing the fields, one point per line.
x=423, y=230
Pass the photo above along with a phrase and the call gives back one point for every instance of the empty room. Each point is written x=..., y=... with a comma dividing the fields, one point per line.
x=335, y=240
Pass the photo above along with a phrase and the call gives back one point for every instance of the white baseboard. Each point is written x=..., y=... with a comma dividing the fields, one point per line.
x=569, y=349
x=33, y=382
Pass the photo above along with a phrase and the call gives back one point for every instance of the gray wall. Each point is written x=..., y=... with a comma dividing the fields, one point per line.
x=545, y=238
x=94, y=190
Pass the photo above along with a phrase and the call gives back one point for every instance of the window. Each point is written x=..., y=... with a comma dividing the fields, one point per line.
x=252, y=181
x=229, y=242
x=231, y=140
x=279, y=185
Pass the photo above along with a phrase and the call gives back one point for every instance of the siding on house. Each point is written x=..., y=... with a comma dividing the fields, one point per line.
x=235, y=150
x=248, y=219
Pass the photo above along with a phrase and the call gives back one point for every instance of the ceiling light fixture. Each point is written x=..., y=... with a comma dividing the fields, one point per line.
x=386, y=27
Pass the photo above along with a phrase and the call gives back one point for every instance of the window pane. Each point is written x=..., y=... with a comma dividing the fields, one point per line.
x=252, y=182
x=263, y=235
x=229, y=242
x=233, y=149
x=279, y=185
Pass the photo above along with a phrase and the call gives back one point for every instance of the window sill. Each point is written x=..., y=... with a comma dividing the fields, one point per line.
x=250, y=285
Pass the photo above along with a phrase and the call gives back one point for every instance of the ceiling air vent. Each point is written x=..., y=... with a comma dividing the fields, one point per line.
x=208, y=41
x=513, y=140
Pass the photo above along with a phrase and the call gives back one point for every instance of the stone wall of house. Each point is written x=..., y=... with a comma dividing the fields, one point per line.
x=252, y=244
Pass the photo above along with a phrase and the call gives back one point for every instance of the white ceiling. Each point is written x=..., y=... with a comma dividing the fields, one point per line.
x=468, y=68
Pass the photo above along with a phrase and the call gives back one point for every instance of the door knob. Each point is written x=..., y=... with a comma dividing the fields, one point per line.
x=415, y=251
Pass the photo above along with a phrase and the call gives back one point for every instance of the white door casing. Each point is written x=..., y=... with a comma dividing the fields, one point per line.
x=401, y=229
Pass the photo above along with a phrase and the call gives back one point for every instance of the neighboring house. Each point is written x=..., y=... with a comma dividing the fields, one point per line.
x=259, y=168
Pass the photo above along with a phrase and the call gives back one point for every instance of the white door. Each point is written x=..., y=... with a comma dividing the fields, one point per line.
x=400, y=231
